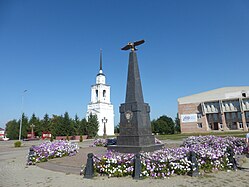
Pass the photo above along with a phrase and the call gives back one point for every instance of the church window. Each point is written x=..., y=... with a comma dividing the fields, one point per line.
x=104, y=93
x=243, y=94
x=96, y=93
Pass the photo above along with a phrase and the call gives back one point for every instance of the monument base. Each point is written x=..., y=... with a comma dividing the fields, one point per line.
x=134, y=149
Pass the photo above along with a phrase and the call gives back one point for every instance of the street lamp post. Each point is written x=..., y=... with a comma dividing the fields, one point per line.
x=20, y=129
x=104, y=120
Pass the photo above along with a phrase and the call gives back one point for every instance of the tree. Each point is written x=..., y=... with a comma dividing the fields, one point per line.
x=177, y=124
x=82, y=127
x=92, y=126
x=46, y=123
x=76, y=125
x=12, y=130
x=36, y=122
x=66, y=123
x=163, y=125
x=57, y=126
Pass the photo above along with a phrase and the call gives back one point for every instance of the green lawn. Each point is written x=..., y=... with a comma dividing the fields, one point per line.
x=183, y=136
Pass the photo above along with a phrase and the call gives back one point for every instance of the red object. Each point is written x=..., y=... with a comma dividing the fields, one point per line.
x=30, y=135
x=46, y=135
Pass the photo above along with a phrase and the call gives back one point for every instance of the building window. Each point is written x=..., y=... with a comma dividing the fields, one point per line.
x=243, y=94
x=215, y=116
x=210, y=125
x=199, y=125
x=97, y=93
x=240, y=125
x=247, y=124
x=221, y=125
x=247, y=114
x=234, y=115
x=239, y=115
x=227, y=115
x=104, y=93
x=199, y=115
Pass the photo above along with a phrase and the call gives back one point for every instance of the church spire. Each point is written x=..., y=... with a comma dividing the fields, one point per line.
x=100, y=61
x=100, y=79
x=100, y=64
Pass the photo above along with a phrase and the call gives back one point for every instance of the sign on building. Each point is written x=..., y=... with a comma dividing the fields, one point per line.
x=46, y=135
x=188, y=118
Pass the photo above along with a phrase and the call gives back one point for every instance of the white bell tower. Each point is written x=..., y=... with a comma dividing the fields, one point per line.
x=100, y=104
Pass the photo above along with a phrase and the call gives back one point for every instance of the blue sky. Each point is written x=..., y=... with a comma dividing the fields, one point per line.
x=51, y=48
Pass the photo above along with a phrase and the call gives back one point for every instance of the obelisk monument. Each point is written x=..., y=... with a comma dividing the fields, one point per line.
x=135, y=126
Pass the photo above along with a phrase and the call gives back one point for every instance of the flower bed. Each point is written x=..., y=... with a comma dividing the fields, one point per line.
x=99, y=142
x=211, y=153
x=50, y=150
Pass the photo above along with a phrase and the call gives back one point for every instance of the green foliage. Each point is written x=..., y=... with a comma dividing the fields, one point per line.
x=92, y=126
x=18, y=144
x=76, y=125
x=177, y=124
x=82, y=127
x=45, y=124
x=68, y=125
x=37, y=125
x=163, y=125
x=12, y=129
x=56, y=125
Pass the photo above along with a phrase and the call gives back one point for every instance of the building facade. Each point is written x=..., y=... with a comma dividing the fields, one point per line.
x=100, y=104
x=222, y=109
x=2, y=133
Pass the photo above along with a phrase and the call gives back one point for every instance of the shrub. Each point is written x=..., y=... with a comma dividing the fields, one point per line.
x=18, y=144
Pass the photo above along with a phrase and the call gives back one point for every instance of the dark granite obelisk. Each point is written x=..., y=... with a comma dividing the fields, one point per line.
x=135, y=126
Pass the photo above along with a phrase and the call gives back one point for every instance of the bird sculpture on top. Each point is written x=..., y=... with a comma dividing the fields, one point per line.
x=132, y=45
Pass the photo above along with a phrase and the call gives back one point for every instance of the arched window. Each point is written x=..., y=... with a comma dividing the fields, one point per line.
x=104, y=93
x=97, y=93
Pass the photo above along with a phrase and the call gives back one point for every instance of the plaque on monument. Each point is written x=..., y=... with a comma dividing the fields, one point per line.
x=135, y=126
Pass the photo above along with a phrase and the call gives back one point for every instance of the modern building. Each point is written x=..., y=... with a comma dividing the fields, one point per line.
x=100, y=104
x=221, y=109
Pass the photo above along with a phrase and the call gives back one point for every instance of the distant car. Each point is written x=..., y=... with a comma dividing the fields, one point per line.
x=5, y=139
x=111, y=141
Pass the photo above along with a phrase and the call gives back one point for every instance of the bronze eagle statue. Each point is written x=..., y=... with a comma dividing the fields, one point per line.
x=132, y=45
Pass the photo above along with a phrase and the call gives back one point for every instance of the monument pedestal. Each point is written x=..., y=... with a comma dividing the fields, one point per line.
x=134, y=149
